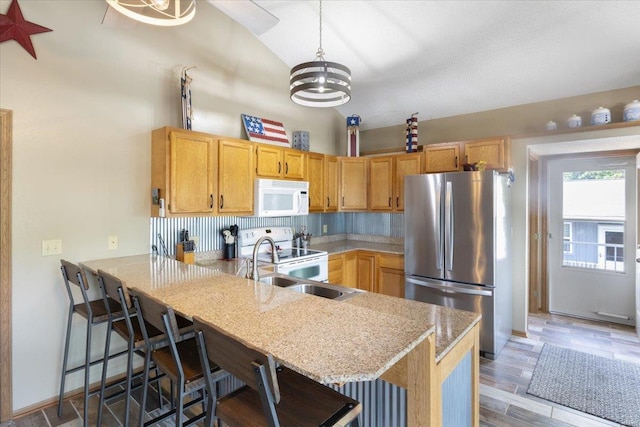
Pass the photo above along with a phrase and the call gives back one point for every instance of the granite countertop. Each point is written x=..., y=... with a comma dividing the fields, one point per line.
x=340, y=246
x=314, y=336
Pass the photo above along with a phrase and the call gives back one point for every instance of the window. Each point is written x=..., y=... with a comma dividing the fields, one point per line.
x=566, y=235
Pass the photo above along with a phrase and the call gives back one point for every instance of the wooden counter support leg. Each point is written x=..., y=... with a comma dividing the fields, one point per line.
x=423, y=396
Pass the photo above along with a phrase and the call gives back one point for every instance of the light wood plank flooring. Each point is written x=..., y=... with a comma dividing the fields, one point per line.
x=503, y=398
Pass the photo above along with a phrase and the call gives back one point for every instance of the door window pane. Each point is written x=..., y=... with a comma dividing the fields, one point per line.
x=593, y=219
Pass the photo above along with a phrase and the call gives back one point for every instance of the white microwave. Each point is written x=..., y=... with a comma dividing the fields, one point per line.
x=276, y=197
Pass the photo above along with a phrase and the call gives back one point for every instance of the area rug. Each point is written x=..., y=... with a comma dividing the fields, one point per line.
x=606, y=388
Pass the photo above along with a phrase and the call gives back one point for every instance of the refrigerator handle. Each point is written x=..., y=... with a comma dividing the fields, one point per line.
x=450, y=289
x=438, y=227
x=449, y=225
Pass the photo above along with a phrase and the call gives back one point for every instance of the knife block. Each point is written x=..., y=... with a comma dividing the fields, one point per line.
x=181, y=255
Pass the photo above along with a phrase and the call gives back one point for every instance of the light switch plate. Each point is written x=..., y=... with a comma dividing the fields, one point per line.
x=51, y=247
x=324, y=228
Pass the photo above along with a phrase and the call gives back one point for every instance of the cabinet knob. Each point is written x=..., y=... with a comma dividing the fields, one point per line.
x=327, y=202
x=211, y=201
x=389, y=201
x=397, y=202
x=456, y=161
x=286, y=168
x=279, y=167
x=221, y=201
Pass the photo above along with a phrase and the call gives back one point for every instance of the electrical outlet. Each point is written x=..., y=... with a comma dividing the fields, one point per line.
x=51, y=247
x=196, y=240
x=324, y=228
x=113, y=243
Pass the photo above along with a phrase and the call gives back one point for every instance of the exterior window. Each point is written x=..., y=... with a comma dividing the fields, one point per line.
x=567, y=233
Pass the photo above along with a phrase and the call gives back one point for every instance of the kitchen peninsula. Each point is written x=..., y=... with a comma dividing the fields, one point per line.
x=413, y=345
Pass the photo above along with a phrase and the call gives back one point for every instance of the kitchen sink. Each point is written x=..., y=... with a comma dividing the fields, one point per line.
x=278, y=281
x=318, y=290
x=310, y=287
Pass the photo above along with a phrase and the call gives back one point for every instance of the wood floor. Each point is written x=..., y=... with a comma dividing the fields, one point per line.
x=503, y=398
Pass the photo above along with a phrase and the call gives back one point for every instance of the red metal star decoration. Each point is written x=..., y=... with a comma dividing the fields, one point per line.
x=13, y=26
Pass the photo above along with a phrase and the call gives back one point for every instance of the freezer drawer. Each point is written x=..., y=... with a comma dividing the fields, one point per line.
x=478, y=299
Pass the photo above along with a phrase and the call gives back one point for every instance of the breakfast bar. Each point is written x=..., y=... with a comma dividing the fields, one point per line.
x=366, y=337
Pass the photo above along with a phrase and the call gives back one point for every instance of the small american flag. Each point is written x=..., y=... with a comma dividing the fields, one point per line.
x=265, y=130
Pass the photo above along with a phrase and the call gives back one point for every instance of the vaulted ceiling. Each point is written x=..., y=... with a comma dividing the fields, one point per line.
x=444, y=58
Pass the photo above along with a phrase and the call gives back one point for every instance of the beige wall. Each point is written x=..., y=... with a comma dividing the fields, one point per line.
x=518, y=120
x=83, y=112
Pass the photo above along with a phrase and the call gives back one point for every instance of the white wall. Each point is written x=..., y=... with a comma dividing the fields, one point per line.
x=83, y=112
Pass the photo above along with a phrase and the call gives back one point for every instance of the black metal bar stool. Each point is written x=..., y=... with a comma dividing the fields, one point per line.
x=95, y=312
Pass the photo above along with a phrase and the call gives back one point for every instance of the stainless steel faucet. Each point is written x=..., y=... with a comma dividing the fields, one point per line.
x=274, y=255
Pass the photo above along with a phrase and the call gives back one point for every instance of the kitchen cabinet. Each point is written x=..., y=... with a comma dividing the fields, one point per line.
x=315, y=177
x=495, y=151
x=331, y=183
x=442, y=157
x=386, y=185
x=354, y=175
x=390, y=275
x=335, y=269
x=366, y=270
x=235, y=176
x=381, y=183
x=279, y=163
x=183, y=168
x=446, y=157
x=350, y=269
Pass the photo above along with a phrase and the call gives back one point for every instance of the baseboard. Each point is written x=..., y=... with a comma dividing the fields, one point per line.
x=519, y=334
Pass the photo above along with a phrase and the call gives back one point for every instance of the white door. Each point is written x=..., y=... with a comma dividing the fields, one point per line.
x=637, y=249
x=592, y=238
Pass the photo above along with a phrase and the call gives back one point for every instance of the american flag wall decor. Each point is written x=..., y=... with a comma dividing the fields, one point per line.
x=265, y=130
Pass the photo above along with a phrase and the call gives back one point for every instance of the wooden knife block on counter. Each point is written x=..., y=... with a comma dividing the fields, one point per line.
x=186, y=257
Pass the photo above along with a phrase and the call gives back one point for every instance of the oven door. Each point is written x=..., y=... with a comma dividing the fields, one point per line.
x=314, y=268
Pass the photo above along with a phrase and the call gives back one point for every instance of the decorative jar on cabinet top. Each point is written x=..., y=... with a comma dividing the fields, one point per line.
x=551, y=125
x=574, y=121
x=600, y=116
x=632, y=111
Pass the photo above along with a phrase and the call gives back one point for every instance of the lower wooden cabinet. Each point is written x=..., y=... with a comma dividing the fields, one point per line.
x=390, y=275
x=368, y=270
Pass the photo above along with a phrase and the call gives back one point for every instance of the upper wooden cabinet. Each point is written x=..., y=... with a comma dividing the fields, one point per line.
x=354, y=173
x=386, y=182
x=451, y=156
x=315, y=177
x=183, y=168
x=496, y=152
x=235, y=176
x=277, y=162
x=331, y=183
x=442, y=157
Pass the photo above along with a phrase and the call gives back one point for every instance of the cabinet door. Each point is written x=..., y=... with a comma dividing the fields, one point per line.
x=381, y=183
x=366, y=270
x=493, y=151
x=269, y=162
x=192, y=173
x=235, y=177
x=442, y=158
x=350, y=269
x=331, y=180
x=353, y=183
x=293, y=164
x=406, y=164
x=335, y=269
x=315, y=176
x=390, y=275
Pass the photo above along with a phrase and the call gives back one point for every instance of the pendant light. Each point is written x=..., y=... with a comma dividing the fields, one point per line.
x=320, y=83
x=156, y=12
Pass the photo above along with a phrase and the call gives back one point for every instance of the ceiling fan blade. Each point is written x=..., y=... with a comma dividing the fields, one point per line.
x=247, y=13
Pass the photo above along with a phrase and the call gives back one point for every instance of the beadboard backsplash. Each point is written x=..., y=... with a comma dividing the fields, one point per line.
x=207, y=229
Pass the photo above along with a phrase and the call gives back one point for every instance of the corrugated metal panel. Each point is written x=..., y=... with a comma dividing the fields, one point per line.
x=456, y=395
x=383, y=404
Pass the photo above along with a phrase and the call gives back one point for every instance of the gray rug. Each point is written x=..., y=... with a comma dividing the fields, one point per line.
x=606, y=388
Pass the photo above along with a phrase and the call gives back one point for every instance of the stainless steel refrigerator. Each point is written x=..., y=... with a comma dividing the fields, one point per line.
x=458, y=247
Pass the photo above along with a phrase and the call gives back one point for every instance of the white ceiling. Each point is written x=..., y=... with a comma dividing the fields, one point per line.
x=444, y=58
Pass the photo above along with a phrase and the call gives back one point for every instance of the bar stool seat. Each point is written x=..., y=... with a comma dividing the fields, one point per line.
x=95, y=312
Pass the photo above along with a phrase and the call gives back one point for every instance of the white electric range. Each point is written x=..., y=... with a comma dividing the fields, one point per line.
x=303, y=263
